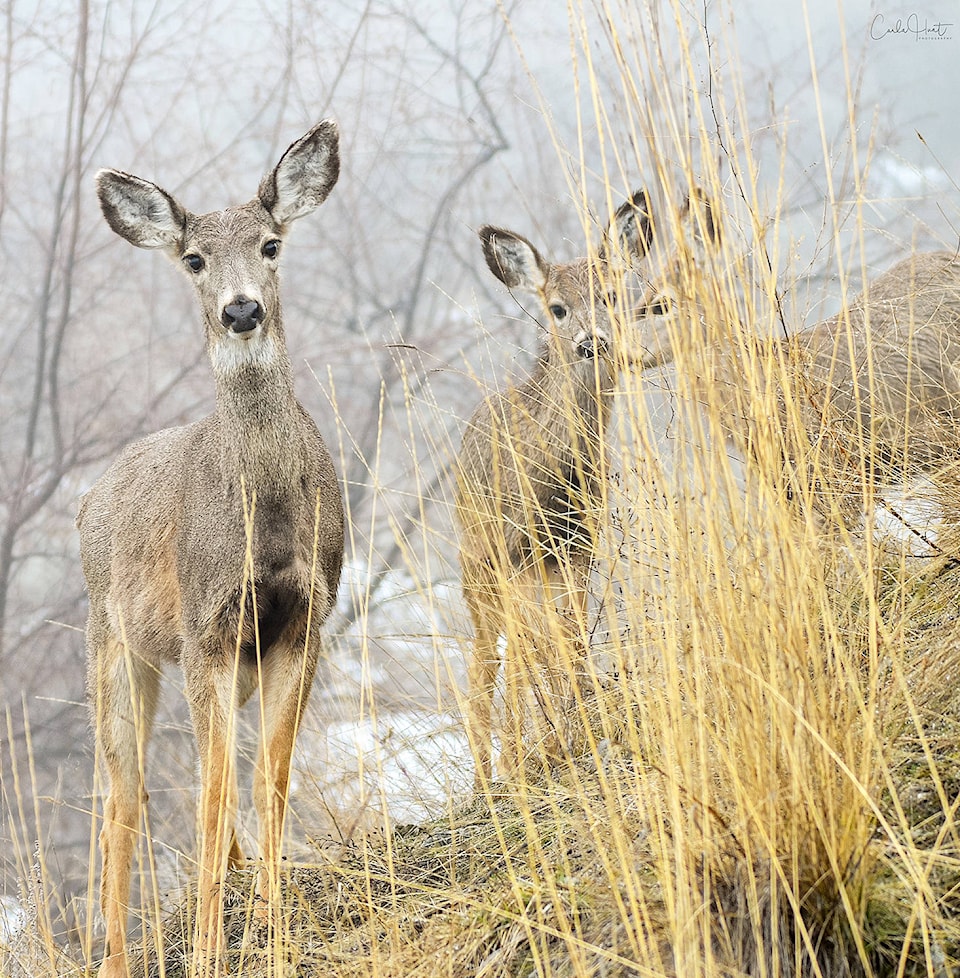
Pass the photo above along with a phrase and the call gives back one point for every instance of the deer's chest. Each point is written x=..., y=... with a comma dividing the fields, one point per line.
x=559, y=483
x=245, y=575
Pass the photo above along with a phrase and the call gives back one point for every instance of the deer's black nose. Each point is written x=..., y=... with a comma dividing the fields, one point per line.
x=592, y=346
x=241, y=315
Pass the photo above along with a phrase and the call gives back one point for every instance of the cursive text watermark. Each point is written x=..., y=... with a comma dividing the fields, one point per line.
x=910, y=26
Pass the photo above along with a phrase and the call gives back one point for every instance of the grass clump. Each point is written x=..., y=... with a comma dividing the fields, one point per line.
x=727, y=820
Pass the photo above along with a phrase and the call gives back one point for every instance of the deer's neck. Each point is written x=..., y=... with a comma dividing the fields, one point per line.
x=572, y=396
x=586, y=383
x=260, y=420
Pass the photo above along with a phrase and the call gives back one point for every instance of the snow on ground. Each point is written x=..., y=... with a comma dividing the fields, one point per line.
x=411, y=762
x=13, y=919
x=908, y=518
x=894, y=177
x=401, y=767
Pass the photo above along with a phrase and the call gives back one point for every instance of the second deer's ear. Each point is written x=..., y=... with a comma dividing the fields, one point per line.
x=701, y=222
x=513, y=259
x=305, y=175
x=630, y=233
x=140, y=211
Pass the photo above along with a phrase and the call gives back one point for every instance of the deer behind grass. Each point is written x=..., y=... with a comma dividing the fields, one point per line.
x=530, y=474
x=866, y=404
x=217, y=545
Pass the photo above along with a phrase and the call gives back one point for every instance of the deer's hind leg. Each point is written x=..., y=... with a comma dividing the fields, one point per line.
x=125, y=690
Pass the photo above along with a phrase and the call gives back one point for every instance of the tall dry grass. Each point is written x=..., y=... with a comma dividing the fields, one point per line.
x=767, y=778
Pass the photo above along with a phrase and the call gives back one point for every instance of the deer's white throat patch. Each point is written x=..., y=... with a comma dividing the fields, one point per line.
x=240, y=351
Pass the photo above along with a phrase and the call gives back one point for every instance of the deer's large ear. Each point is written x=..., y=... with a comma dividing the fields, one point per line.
x=630, y=233
x=513, y=259
x=140, y=211
x=305, y=175
x=700, y=222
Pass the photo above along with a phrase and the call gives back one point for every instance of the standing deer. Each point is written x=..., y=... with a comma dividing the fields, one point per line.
x=867, y=402
x=530, y=477
x=217, y=545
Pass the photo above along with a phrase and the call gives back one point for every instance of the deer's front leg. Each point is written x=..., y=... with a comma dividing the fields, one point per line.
x=483, y=666
x=125, y=690
x=566, y=601
x=285, y=686
x=211, y=691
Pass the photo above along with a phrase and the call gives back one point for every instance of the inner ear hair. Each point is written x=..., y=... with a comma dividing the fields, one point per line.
x=699, y=210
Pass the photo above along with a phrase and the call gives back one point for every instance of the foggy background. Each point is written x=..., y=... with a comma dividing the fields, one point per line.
x=452, y=114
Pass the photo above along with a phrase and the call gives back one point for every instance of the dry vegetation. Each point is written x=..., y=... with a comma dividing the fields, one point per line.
x=770, y=769
x=770, y=789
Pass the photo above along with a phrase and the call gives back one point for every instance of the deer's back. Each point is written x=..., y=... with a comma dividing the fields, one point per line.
x=887, y=370
x=876, y=387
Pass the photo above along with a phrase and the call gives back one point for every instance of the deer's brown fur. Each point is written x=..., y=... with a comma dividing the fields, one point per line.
x=864, y=402
x=218, y=545
x=530, y=475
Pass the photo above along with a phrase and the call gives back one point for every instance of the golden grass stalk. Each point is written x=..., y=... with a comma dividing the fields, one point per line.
x=766, y=775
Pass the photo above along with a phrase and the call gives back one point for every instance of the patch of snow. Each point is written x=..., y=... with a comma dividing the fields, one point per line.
x=891, y=176
x=13, y=919
x=908, y=518
x=407, y=764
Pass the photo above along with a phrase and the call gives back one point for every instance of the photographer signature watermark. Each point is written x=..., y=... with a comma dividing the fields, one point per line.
x=911, y=26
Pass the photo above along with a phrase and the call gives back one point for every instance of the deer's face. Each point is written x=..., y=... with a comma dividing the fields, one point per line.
x=678, y=288
x=583, y=301
x=232, y=257
x=580, y=302
x=657, y=323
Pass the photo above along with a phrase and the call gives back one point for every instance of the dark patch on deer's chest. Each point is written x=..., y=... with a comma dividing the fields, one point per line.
x=276, y=605
x=560, y=521
x=563, y=485
x=258, y=613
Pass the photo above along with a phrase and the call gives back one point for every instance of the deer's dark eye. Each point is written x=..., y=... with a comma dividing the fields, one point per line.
x=558, y=311
x=658, y=307
x=271, y=248
x=194, y=262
